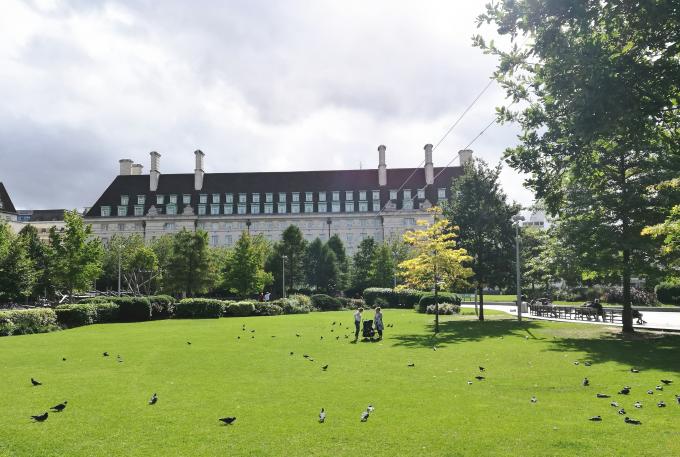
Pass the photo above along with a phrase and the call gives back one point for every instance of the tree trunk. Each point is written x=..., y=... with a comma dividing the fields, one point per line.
x=480, y=292
x=627, y=316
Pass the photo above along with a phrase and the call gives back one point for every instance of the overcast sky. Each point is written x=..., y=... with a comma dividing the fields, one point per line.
x=258, y=85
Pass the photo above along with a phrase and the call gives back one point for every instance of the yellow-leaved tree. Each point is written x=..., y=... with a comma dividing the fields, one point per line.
x=435, y=258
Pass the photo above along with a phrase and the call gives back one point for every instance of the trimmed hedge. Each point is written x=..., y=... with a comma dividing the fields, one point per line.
x=76, y=315
x=27, y=321
x=637, y=296
x=240, y=309
x=444, y=308
x=303, y=300
x=668, y=292
x=292, y=306
x=199, y=308
x=107, y=313
x=326, y=302
x=162, y=306
x=267, y=309
x=132, y=309
x=442, y=297
x=390, y=298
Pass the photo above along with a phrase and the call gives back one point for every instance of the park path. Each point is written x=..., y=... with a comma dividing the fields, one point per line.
x=655, y=320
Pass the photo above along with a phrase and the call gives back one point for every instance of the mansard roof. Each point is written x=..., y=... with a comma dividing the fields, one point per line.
x=274, y=182
x=6, y=205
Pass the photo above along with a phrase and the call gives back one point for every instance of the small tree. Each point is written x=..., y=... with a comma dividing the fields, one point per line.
x=190, y=270
x=75, y=255
x=338, y=248
x=244, y=272
x=437, y=262
x=38, y=252
x=17, y=270
x=382, y=269
x=293, y=246
x=362, y=264
x=479, y=207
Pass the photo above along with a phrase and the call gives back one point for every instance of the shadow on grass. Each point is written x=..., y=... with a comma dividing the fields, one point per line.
x=642, y=350
x=465, y=331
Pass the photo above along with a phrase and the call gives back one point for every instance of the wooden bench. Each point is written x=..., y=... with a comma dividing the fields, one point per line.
x=612, y=315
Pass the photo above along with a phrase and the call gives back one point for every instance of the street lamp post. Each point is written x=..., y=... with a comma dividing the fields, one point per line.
x=517, y=219
x=283, y=275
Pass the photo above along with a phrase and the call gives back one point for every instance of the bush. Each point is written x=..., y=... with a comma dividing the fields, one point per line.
x=444, y=308
x=292, y=306
x=240, y=309
x=303, y=300
x=162, y=306
x=76, y=315
x=326, y=302
x=354, y=303
x=26, y=321
x=442, y=297
x=131, y=309
x=107, y=312
x=267, y=309
x=637, y=296
x=668, y=292
x=191, y=308
x=390, y=298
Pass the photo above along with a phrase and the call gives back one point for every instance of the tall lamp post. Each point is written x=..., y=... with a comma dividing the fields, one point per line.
x=517, y=219
x=283, y=275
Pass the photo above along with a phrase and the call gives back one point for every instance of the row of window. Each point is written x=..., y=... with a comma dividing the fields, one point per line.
x=282, y=197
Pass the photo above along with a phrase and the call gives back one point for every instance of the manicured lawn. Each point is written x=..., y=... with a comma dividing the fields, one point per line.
x=426, y=410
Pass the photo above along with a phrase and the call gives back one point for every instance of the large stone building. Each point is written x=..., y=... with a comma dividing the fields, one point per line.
x=353, y=204
x=42, y=219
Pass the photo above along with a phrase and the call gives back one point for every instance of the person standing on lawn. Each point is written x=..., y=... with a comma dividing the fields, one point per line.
x=378, y=322
x=357, y=322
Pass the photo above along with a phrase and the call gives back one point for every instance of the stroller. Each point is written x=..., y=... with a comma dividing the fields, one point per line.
x=367, y=330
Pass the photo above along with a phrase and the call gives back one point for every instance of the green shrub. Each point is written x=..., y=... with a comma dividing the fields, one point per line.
x=390, y=298
x=668, y=292
x=444, y=308
x=442, y=297
x=326, y=302
x=162, y=306
x=131, y=309
x=354, y=303
x=292, y=306
x=107, y=312
x=303, y=300
x=76, y=315
x=191, y=308
x=637, y=296
x=267, y=309
x=240, y=309
x=27, y=321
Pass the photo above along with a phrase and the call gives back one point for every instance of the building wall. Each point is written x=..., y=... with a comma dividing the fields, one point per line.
x=225, y=230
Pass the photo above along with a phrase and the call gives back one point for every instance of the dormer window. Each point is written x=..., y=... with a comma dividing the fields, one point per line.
x=308, y=197
x=203, y=199
x=336, y=196
x=256, y=198
x=376, y=195
x=173, y=199
x=228, y=198
x=282, y=197
x=141, y=199
x=349, y=195
x=242, y=198
x=160, y=199
x=407, y=194
x=186, y=199
x=215, y=198
x=393, y=195
x=268, y=197
x=122, y=211
x=322, y=196
x=441, y=193
x=296, y=196
x=105, y=211
x=421, y=194
x=124, y=200
x=362, y=195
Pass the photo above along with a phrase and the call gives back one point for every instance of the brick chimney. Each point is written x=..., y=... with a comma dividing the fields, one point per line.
x=125, y=167
x=198, y=171
x=465, y=155
x=429, y=167
x=137, y=169
x=154, y=174
x=382, y=166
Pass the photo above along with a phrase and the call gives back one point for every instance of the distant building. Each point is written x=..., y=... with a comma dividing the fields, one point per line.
x=353, y=204
x=42, y=219
x=538, y=219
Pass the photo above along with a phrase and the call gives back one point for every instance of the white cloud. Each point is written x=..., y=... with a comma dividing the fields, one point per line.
x=256, y=85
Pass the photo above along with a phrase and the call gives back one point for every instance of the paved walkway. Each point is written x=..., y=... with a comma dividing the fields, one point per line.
x=655, y=320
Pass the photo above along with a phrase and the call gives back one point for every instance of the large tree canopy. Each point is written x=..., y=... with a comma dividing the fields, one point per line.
x=597, y=86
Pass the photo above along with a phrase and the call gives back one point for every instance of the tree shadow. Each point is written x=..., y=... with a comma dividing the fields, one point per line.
x=467, y=330
x=642, y=350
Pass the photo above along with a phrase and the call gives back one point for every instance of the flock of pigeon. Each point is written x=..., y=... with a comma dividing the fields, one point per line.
x=625, y=390
x=229, y=420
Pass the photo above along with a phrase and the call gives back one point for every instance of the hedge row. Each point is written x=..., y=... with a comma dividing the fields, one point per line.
x=444, y=308
x=132, y=309
x=406, y=298
x=87, y=314
x=668, y=292
x=26, y=321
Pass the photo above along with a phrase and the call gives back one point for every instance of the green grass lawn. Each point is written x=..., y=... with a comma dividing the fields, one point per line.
x=427, y=410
